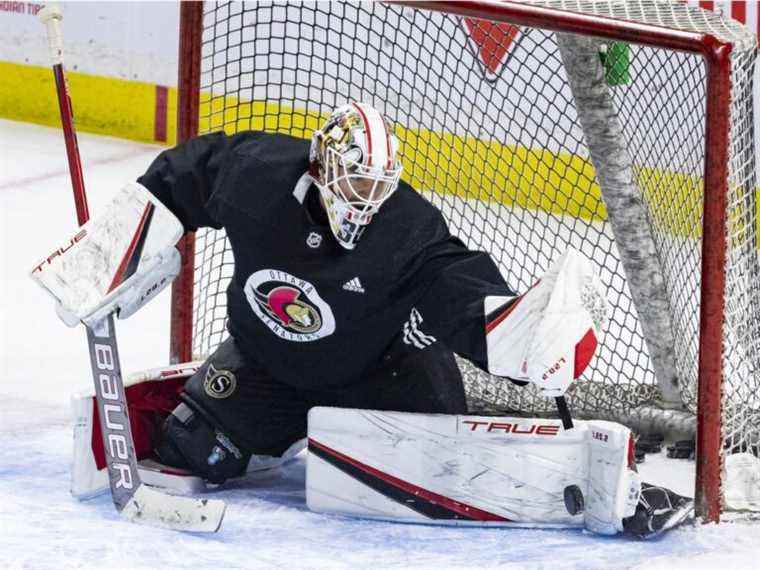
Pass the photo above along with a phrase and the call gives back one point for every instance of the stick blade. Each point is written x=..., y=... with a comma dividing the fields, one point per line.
x=153, y=508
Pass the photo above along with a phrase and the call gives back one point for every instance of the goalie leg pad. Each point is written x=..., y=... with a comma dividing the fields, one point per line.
x=613, y=485
x=436, y=468
x=151, y=395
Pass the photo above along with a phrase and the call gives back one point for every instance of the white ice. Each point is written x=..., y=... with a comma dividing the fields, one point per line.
x=268, y=525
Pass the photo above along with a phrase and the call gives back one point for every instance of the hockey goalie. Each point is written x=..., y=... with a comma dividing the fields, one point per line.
x=348, y=302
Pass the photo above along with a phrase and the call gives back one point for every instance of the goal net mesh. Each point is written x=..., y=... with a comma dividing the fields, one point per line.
x=490, y=133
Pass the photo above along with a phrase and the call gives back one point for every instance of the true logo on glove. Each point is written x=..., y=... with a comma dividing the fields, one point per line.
x=61, y=250
x=219, y=383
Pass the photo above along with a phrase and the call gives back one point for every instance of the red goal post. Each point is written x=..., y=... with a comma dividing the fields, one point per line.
x=633, y=25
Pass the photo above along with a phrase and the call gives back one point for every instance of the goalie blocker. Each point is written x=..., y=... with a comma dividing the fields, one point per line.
x=116, y=263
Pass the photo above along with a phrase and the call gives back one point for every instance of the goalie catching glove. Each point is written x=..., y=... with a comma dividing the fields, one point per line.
x=116, y=262
x=549, y=334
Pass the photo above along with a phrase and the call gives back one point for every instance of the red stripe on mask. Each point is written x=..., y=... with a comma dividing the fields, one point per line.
x=369, y=134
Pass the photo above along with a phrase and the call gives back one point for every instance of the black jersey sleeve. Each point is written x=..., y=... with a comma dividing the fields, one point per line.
x=455, y=282
x=184, y=177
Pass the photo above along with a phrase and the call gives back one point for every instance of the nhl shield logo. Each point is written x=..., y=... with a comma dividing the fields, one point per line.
x=219, y=383
x=314, y=240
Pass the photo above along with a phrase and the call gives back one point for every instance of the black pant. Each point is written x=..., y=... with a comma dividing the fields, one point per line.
x=264, y=416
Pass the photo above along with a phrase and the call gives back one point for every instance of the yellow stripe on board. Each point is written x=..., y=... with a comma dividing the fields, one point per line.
x=228, y=114
x=512, y=175
x=102, y=105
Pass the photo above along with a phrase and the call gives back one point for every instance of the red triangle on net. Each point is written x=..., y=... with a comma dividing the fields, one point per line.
x=491, y=41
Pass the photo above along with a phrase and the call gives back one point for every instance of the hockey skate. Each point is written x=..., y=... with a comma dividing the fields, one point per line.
x=659, y=509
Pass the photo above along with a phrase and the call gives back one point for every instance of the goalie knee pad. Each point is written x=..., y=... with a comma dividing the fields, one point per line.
x=190, y=441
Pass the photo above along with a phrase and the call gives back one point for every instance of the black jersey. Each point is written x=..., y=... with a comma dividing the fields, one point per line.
x=312, y=313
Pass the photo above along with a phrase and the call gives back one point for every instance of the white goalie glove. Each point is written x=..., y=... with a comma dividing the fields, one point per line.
x=549, y=334
x=116, y=262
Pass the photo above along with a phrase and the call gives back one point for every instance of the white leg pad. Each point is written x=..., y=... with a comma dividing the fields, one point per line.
x=446, y=469
x=613, y=488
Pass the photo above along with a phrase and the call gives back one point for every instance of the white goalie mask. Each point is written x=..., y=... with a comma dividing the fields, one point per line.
x=354, y=165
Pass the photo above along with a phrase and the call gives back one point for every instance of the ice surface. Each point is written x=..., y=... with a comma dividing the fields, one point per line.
x=267, y=525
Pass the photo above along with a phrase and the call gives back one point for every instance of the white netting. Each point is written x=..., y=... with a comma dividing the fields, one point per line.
x=502, y=153
x=670, y=14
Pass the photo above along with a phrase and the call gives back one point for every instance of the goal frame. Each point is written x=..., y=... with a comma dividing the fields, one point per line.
x=716, y=55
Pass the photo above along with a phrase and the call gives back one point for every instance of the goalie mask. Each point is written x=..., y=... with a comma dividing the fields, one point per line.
x=354, y=165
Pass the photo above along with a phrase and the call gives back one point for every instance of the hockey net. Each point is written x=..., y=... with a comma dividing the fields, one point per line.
x=530, y=141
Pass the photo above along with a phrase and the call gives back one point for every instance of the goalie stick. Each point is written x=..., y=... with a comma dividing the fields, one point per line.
x=133, y=499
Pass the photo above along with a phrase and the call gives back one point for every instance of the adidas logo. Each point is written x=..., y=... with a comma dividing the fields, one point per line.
x=354, y=285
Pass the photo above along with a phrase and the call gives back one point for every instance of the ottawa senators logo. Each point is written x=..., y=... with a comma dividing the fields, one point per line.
x=283, y=304
x=289, y=306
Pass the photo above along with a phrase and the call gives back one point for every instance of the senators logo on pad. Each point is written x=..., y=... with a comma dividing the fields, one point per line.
x=289, y=306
